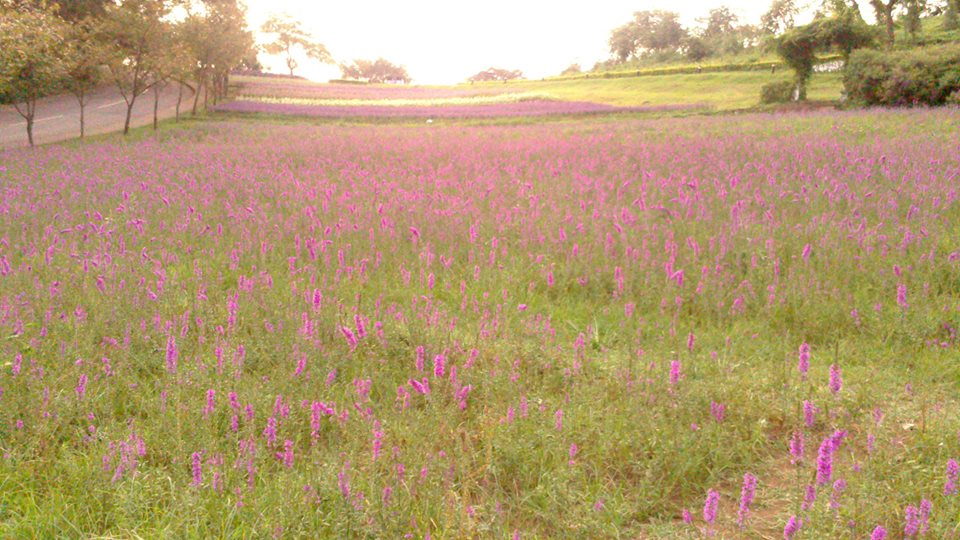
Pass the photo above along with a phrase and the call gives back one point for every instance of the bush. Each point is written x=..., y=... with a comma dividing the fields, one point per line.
x=924, y=76
x=777, y=92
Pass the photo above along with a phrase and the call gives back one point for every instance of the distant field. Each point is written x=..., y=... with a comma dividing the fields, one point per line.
x=715, y=91
x=593, y=328
x=378, y=102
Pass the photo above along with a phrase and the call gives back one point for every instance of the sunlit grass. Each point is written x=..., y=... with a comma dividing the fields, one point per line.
x=724, y=91
x=559, y=269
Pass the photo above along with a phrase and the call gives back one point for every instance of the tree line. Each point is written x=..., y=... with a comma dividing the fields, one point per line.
x=140, y=46
x=657, y=34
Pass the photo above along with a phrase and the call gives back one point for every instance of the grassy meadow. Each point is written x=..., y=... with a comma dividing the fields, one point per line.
x=729, y=326
x=719, y=91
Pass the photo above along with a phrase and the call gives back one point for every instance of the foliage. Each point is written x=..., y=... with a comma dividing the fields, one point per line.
x=648, y=32
x=31, y=58
x=799, y=46
x=720, y=22
x=289, y=38
x=780, y=17
x=777, y=92
x=572, y=69
x=695, y=48
x=496, y=74
x=375, y=71
x=215, y=41
x=951, y=15
x=911, y=18
x=883, y=9
x=71, y=10
x=137, y=36
x=921, y=76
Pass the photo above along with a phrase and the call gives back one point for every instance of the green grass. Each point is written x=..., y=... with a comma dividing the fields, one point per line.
x=262, y=213
x=721, y=91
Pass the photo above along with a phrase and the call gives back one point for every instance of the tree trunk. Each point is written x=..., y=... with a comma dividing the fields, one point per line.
x=31, y=105
x=889, y=22
x=30, y=129
x=126, y=122
x=196, y=97
x=156, y=104
x=179, y=99
x=82, y=107
x=206, y=93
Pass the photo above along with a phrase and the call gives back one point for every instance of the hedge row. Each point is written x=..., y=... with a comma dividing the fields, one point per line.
x=691, y=69
x=922, y=76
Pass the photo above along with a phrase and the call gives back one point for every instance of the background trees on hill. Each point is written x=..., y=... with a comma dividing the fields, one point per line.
x=496, y=74
x=375, y=71
x=289, y=38
x=780, y=17
x=648, y=32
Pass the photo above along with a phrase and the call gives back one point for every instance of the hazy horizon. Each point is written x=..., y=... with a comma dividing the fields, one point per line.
x=442, y=43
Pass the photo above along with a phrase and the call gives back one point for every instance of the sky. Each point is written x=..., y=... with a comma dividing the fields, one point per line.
x=446, y=41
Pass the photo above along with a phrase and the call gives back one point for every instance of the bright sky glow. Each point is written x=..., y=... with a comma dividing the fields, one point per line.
x=444, y=41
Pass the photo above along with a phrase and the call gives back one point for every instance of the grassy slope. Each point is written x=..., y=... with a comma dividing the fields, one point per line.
x=723, y=91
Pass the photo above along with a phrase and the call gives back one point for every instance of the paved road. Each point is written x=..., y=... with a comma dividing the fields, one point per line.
x=58, y=117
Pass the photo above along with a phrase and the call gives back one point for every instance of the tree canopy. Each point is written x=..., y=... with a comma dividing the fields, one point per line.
x=290, y=37
x=496, y=74
x=32, y=62
x=649, y=31
x=799, y=46
x=375, y=71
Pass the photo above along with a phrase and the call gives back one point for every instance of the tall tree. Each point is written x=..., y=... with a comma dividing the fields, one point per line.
x=623, y=41
x=911, y=17
x=649, y=31
x=289, y=37
x=84, y=56
x=780, y=17
x=720, y=22
x=798, y=47
x=217, y=40
x=31, y=58
x=884, y=12
x=136, y=33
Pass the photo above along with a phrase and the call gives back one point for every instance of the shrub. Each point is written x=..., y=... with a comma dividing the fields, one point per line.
x=924, y=76
x=777, y=92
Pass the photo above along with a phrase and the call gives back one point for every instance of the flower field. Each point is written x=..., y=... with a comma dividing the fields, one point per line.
x=298, y=88
x=307, y=99
x=526, y=108
x=726, y=326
